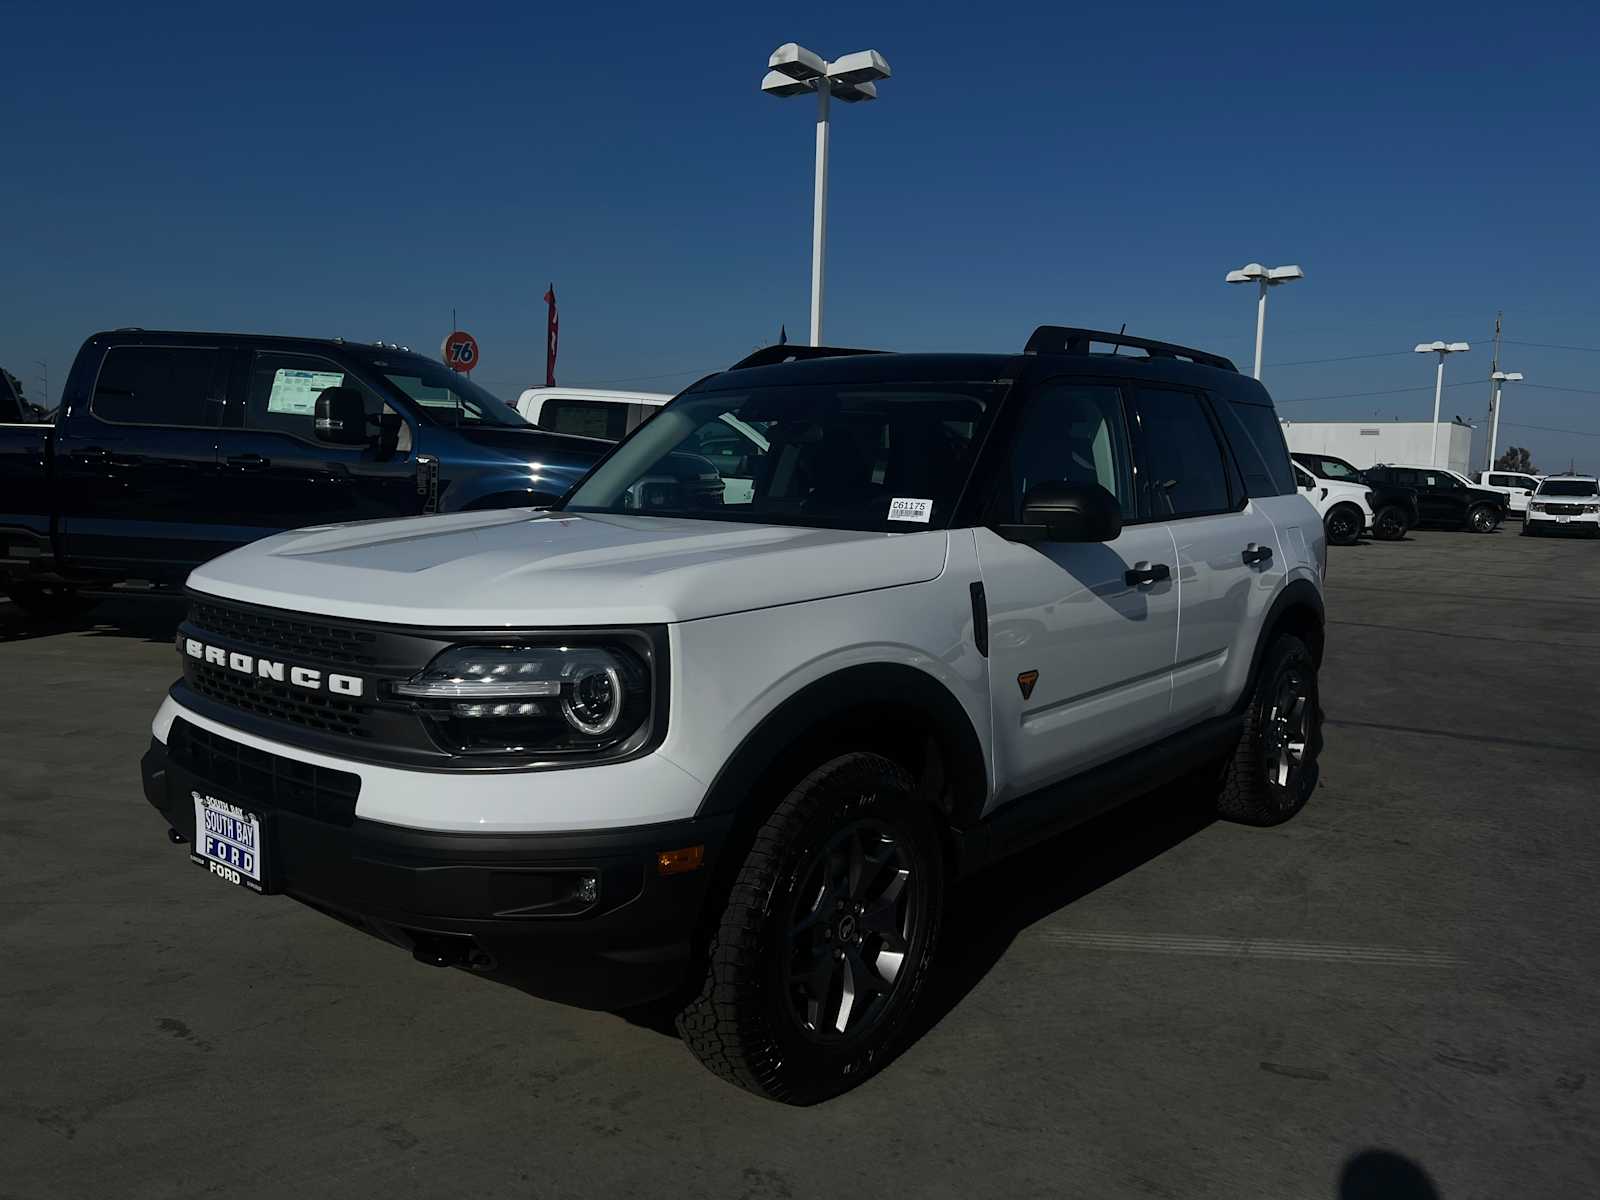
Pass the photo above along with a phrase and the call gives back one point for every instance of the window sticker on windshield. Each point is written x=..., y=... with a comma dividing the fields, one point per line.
x=296, y=391
x=903, y=509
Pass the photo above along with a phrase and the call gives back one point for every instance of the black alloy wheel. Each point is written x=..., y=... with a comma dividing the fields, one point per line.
x=1389, y=525
x=1483, y=519
x=1343, y=524
x=1273, y=770
x=851, y=921
x=826, y=936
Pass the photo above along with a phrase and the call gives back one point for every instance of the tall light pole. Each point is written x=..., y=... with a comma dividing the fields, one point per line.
x=1499, y=377
x=792, y=71
x=1266, y=277
x=1441, y=349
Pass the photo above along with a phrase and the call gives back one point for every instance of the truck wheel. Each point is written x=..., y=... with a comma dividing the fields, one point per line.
x=1271, y=774
x=826, y=937
x=1389, y=525
x=1343, y=524
x=1483, y=519
x=49, y=601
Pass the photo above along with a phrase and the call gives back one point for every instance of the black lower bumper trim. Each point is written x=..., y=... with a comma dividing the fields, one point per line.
x=583, y=917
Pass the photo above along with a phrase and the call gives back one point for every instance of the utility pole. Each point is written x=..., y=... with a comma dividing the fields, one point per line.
x=1494, y=391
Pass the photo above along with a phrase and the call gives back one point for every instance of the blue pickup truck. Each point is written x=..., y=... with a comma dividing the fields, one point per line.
x=171, y=448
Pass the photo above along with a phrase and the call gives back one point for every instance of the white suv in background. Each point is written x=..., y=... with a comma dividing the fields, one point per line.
x=1564, y=504
x=1513, y=485
x=727, y=748
x=589, y=412
x=1345, y=508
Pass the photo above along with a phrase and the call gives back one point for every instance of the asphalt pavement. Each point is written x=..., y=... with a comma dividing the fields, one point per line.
x=1392, y=995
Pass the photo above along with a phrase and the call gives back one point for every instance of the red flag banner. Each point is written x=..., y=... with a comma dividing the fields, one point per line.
x=552, y=336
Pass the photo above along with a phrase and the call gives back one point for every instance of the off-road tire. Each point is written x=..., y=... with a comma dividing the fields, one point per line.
x=1249, y=792
x=742, y=1024
x=49, y=601
x=1389, y=523
x=1343, y=524
x=1483, y=519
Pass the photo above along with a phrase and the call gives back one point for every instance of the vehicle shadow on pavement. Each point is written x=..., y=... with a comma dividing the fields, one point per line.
x=986, y=911
x=1384, y=1175
x=153, y=619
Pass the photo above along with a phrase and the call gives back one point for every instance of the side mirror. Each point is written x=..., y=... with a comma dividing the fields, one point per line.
x=341, y=417
x=1070, y=512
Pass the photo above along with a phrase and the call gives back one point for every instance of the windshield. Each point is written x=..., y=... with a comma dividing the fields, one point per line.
x=890, y=457
x=1330, y=468
x=447, y=397
x=1567, y=487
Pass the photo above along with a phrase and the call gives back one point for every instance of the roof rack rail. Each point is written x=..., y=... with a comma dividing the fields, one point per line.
x=1066, y=339
x=769, y=355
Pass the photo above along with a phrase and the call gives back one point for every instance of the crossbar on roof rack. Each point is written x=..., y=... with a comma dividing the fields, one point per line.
x=1066, y=339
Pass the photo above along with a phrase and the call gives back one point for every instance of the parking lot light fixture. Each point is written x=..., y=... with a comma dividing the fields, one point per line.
x=792, y=70
x=1264, y=278
x=1442, y=349
x=1500, y=379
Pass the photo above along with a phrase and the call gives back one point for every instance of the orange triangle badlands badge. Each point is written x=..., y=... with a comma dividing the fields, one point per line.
x=1025, y=681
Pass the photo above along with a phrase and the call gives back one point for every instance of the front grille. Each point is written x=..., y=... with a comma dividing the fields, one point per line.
x=279, y=702
x=268, y=780
x=1564, y=510
x=288, y=636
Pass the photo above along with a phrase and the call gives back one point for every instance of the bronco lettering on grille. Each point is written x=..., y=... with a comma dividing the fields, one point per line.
x=309, y=678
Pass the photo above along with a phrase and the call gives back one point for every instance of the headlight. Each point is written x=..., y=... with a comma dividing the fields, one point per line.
x=1535, y=507
x=560, y=700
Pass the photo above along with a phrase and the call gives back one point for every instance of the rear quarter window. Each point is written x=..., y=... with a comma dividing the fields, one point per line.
x=1256, y=438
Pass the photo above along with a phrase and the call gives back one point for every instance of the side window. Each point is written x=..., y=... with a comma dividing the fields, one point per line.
x=1500, y=481
x=1304, y=479
x=1406, y=477
x=283, y=393
x=590, y=418
x=1071, y=433
x=1182, y=473
x=161, y=385
x=1258, y=447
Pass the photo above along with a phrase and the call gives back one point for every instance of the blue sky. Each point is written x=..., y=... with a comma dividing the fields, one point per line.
x=359, y=170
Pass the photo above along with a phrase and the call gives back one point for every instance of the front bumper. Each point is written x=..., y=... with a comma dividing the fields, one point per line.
x=1547, y=522
x=507, y=905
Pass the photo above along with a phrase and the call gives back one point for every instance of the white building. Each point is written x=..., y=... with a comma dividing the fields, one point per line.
x=1366, y=443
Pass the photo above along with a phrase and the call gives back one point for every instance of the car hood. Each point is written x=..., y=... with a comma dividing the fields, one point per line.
x=528, y=443
x=521, y=568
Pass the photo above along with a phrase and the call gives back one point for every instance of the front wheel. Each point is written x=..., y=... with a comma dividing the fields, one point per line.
x=1272, y=772
x=49, y=601
x=1343, y=524
x=826, y=937
x=1483, y=519
x=1389, y=525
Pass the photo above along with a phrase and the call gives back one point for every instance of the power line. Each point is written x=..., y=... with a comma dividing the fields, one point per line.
x=1383, y=392
x=1548, y=429
x=1306, y=362
x=1552, y=346
x=1546, y=387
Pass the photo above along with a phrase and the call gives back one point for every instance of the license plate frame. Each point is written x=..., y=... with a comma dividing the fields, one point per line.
x=229, y=841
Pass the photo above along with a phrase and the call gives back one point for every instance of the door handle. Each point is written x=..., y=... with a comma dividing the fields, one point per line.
x=1254, y=554
x=1143, y=572
x=249, y=462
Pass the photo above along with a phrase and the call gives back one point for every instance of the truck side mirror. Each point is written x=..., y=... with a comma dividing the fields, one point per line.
x=341, y=417
x=1071, y=512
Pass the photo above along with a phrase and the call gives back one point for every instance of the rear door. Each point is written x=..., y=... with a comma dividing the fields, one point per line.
x=1080, y=654
x=1229, y=562
x=278, y=475
x=136, y=462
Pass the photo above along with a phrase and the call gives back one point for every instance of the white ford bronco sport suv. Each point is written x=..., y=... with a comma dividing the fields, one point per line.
x=656, y=744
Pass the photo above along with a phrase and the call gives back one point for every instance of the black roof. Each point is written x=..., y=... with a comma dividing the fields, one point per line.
x=890, y=367
x=219, y=337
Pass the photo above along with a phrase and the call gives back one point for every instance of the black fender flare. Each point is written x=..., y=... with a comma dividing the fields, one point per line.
x=904, y=701
x=1297, y=608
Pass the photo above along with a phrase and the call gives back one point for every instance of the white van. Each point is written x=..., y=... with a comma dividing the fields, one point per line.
x=590, y=412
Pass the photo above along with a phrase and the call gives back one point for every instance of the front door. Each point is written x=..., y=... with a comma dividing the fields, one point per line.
x=280, y=476
x=1080, y=652
x=136, y=465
